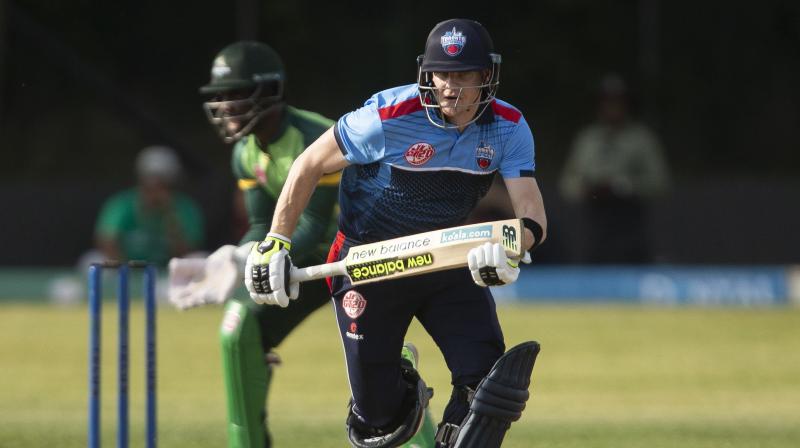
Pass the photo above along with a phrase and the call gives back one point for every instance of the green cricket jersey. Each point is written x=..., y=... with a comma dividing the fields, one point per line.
x=262, y=171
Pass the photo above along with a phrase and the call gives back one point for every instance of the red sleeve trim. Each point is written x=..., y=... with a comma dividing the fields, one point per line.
x=506, y=112
x=406, y=107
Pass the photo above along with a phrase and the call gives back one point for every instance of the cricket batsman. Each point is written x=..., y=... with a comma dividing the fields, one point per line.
x=418, y=158
x=248, y=108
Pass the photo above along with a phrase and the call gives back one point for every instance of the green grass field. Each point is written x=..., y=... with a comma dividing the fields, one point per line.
x=607, y=377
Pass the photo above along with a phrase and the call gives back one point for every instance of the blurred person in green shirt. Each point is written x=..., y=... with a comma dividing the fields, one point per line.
x=615, y=169
x=151, y=221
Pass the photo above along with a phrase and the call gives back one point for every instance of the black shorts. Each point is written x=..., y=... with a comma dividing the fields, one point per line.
x=276, y=323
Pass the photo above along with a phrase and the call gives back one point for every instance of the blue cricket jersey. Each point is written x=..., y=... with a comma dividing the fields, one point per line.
x=409, y=176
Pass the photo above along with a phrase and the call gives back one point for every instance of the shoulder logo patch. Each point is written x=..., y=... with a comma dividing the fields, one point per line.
x=354, y=304
x=484, y=155
x=419, y=153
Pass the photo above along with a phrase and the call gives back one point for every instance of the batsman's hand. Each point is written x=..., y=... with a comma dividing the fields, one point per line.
x=490, y=266
x=267, y=272
x=201, y=281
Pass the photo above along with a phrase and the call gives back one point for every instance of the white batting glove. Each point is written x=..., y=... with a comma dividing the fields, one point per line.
x=267, y=272
x=201, y=281
x=490, y=266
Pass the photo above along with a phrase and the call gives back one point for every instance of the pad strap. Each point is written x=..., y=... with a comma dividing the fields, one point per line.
x=446, y=434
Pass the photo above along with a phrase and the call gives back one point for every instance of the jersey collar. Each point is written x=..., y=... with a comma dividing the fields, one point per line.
x=282, y=127
x=487, y=117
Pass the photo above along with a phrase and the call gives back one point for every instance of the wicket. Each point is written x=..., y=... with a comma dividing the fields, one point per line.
x=95, y=314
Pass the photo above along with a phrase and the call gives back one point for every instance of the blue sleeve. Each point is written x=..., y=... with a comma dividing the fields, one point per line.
x=360, y=135
x=518, y=153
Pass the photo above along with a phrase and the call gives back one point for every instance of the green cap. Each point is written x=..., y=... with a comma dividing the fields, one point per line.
x=242, y=65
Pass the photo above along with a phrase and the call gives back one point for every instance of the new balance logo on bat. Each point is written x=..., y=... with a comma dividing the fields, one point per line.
x=510, y=238
x=385, y=267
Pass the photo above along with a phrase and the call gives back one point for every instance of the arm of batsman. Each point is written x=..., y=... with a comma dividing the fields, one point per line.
x=200, y=281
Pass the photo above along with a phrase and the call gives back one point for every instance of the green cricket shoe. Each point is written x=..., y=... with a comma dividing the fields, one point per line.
x=426, y=436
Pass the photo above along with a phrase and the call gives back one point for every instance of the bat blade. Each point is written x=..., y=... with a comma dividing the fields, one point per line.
x=418, y=254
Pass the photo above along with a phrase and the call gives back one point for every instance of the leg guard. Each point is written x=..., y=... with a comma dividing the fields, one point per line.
x=499, y=399
x=396, y=434
x=246, y=377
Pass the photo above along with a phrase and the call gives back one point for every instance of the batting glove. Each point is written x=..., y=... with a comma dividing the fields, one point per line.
x=490, y=266
x=267, y=272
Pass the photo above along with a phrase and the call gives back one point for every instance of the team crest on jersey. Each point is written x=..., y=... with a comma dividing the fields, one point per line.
x=354, y=304
x=261, y=174
x=453, y=42
x=484, y=155
x=419, y=153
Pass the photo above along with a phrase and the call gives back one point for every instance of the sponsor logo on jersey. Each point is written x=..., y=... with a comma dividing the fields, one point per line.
x=353, y=333
x=387, y=267
x=510, y=238
x=469, y=233
x=484, y=155
x=261, y=174
x=453, y=42
x=354, y=304
x=354, y=336
x=419, y=153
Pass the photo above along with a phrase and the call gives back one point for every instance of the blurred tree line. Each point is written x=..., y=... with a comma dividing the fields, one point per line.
x=87, y=83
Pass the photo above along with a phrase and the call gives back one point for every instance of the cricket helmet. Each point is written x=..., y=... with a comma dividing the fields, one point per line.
x=457, y=45
x=247, y=80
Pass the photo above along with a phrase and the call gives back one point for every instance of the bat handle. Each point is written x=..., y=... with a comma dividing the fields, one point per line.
x=318, y=271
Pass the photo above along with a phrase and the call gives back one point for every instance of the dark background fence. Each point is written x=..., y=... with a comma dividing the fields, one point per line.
x=85, y=84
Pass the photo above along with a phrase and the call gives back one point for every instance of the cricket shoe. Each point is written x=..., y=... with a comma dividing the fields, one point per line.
x=272, y=359
x=426, y=435
x=410, y=354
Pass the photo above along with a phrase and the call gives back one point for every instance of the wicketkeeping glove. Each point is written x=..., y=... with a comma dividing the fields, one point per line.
x=490, y=266
x=200, y=281
x=267, y=272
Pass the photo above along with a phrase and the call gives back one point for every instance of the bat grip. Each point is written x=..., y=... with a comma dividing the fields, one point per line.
x=318, y=272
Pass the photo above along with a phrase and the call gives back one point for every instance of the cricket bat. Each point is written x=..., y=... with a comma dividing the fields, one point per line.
x=417, y=254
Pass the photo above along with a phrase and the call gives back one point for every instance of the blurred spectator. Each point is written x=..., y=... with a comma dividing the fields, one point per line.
x=152, y=221
x=615, y=168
